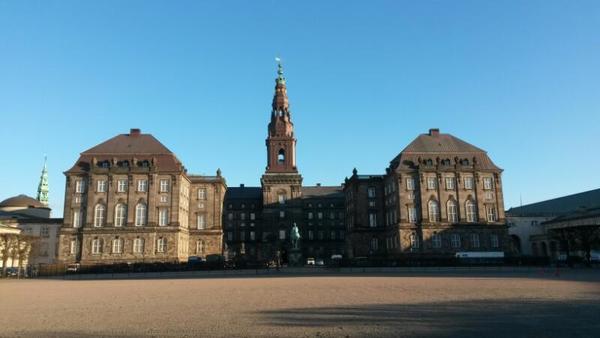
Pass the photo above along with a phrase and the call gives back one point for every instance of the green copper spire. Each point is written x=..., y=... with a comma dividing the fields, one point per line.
x=42, y=192
x=280, y=78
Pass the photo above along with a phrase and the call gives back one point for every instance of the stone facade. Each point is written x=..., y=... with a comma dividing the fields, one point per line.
x=439, y=196
x=130, y=199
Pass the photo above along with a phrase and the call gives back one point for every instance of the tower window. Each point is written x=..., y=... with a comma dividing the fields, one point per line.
x=281, y=156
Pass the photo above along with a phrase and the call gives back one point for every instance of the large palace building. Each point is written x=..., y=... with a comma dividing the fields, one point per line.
x=130, y=199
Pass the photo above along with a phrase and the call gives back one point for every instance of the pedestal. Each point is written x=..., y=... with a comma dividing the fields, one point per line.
x=295, y=258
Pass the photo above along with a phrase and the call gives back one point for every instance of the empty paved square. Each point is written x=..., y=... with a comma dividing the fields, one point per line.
x=470, y=304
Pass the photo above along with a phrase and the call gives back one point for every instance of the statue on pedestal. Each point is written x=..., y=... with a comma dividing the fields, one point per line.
x=295, y=236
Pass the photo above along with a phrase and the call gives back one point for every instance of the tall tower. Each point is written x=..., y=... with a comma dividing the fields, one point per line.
x=281, y=144
x=43, y=189
x=281, y=182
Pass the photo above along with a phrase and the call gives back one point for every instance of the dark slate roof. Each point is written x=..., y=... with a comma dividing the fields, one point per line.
x=243, y=193
x=580, y=213
x=22, y=201
x=435, y=145
x=322, y=192
x=559, y=206
x=129, y=146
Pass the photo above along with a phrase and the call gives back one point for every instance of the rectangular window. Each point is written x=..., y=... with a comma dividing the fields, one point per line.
x=161, y=245
x=414, y=242
x=243, y=216
x=475, y=241
x=374, y=244
x=101, y=186
x=311, y=235
x=320, y=235
x=45, y=231
x=372, y=204
x=455, y=241
x=372, y=220
x=121, y=185
x=163, y=217
x=117, y=246
x=164, y=185
x=200, y=222
x=138, y=245
x=230, y=236
x=310, y=215
x=491, y=213
x=332, y=215
x=76, y=218
x=436, y=241
x=201, y=193
x=494, y=241
x=487, y=183
x=242, y=236
x=142, y=185
x=281, y=214
x=412, y=214
x=332, y=234
x=431, y=183
x=252, y=235
x=410, y=183
x=79, y=186
x=73, y=247
x=252, y=216
x=469, y=183
x=449, y=183
x=320, y=215
x=96, y=246
x=371, y=192
x=282, y=234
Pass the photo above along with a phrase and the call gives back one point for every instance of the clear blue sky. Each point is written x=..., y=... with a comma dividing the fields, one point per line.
x=520, y=79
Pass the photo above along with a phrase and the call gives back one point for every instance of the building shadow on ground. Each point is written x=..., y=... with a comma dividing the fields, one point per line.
x=480, y=318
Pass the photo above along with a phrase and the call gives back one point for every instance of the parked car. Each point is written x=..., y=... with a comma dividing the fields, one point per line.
x=310, y=261
x=73, y=267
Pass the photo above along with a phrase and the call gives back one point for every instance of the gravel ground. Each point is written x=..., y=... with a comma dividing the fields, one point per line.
x=472, y=304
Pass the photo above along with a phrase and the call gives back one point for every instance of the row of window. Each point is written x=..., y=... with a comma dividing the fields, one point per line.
x=122, y=185
x=117, y=244
x=141, y=216
x=452, y=212
x=436, y=241
x=310, y=235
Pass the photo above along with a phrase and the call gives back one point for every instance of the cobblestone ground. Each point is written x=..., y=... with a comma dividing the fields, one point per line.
x=394, y=305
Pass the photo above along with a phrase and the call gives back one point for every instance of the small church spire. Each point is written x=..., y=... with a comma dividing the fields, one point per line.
x=43, y=189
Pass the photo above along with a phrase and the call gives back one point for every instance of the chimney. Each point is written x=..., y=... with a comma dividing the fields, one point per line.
x=135, y=132
x=434, y=132
x=241, y=185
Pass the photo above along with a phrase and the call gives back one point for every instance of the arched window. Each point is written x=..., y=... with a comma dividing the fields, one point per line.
x=138, y=245
x=471, y=211
x=120, y=215
x=99, y=215
x=140, y=214
x=452, y=211
x=281, y=156
x=434, y=211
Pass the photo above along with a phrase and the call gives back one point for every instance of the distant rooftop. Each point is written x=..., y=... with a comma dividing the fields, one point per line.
x=559, y=206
